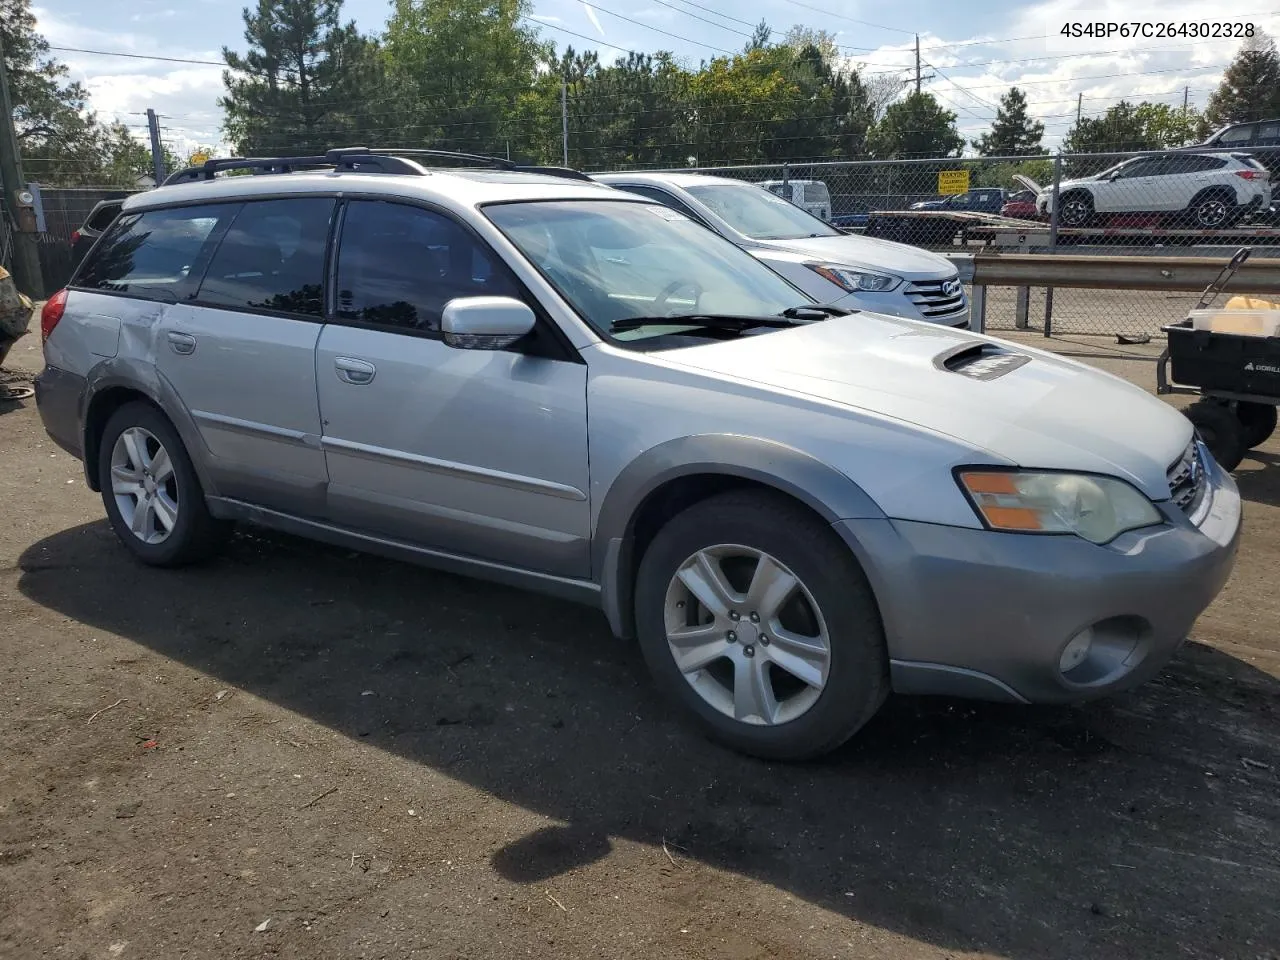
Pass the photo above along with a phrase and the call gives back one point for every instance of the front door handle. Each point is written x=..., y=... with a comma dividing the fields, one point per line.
x=183, y=343
x=355, y=372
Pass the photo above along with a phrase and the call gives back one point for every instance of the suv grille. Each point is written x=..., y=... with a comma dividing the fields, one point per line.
x=1187, y=479
x=937, y=299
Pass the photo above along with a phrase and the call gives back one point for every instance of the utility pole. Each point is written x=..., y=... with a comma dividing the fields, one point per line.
x=919, y=78
x=1186, y=93
x=26, y=255
x=157, y=152
x=917, y=64
x=1079, y=105
x=564, y=120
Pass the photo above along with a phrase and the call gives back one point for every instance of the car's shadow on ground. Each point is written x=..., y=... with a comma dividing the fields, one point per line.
x=1150, y=820
x=1258, y=477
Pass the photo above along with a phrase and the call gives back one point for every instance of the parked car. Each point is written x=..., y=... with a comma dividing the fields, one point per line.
x=1020, y=206
x=829, y=265
x=811, y=196
x=100, y=217
x=980, y=200
x=559, y=386
x=1207, y=191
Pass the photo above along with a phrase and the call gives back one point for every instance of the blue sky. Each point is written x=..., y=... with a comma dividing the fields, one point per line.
x=975, y=50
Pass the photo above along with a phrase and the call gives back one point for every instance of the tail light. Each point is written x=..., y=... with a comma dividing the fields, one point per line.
x=75, y=237
x=1253, y=174
x=51, y=314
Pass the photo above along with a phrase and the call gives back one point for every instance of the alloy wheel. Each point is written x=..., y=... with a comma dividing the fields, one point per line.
x=1211, y=213
x=144, y=485
x=747, y=635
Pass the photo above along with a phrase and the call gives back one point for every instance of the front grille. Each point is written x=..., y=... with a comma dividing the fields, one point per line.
x=1187, y=480
x=934, y=302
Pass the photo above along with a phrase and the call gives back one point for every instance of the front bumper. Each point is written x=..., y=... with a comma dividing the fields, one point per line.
x=987, y=615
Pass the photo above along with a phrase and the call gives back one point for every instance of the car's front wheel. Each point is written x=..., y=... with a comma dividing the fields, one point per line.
x=756, y=617
x=151, y=492
x=1077, y=210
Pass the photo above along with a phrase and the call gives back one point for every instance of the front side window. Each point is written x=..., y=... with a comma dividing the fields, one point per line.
x=399, y=265
x=1238, y=134
x=151, y=254
x=759, y=214
x=613, y=260
x=272, y=258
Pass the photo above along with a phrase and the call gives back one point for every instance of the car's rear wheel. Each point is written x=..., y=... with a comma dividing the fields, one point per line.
x=1076, y=210
x=1213, y=211
x=1220, y=430
x=755, y=616
x=151, y=492
x=1257, y=423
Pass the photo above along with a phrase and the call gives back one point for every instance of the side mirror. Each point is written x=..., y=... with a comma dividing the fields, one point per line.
x=485, y=323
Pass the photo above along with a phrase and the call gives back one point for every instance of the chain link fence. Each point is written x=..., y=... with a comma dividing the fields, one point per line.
x=1201, y=202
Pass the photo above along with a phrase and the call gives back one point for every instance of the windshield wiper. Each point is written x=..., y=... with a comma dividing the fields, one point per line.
x=711, y=321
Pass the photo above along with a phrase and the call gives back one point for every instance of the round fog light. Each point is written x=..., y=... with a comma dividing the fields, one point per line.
x=1076, y=651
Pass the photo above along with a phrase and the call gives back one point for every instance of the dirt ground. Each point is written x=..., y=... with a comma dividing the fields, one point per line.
x=300, y=752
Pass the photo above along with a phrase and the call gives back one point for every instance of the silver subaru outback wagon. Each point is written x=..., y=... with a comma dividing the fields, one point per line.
x=552, y=384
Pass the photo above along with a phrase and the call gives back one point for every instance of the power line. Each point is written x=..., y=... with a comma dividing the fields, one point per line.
x=140, y=56
x=841, y=16
x=745, y=23
x=703, y=19
x=665, y=33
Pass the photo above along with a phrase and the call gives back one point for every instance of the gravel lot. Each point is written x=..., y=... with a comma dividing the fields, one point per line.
x=300, y=752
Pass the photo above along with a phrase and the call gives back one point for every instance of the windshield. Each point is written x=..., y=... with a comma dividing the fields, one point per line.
x=614, y=259
x=758, y=214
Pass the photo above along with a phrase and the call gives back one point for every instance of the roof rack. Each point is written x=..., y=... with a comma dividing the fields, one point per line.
x=393, y=160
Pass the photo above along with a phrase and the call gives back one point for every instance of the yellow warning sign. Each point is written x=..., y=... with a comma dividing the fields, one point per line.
x=951, y=182
x=198, y=159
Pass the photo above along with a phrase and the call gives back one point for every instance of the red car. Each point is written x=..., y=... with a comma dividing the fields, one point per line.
x=1020, y=206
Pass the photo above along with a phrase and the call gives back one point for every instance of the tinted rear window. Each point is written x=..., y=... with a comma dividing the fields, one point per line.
x=272, y=258
x=101, y=218
x=153, y=253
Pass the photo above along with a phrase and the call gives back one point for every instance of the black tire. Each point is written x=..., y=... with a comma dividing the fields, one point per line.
x=1220, y=430
x=196, y=535
x=1215, y=210
x=857, y=680
x=1075, y=209
x=1257, y=423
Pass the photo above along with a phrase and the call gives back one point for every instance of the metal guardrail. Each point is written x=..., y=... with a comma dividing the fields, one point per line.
x=1159, y=274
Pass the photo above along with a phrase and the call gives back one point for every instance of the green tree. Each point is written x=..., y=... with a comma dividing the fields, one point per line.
x=457, y=68
x=1250, y=87
x=57, y=132
x=1169, y=126
x=125, y=158
x=915, y=126
x=1013, y=133
x=303, y=85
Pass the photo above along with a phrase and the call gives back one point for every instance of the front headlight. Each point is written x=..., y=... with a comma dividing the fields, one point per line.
x=855, y=281
x=1098, y=509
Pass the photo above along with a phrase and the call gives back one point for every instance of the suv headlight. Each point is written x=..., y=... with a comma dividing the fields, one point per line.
x=1098, y=509
x=855, y=281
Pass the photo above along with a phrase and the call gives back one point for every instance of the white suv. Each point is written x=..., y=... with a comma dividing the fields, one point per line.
x=858, y=273
x=1206, y=191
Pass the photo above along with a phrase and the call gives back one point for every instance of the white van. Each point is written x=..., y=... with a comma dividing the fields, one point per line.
x=811, y=196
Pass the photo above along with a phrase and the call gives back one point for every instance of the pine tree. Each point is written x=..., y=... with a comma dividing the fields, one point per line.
x=1013, y=133
x=302, y=84
x=915, y=126
x=1250, y=88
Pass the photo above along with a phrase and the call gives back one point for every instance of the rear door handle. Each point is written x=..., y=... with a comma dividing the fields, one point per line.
x=183, y=343
x=355, y=372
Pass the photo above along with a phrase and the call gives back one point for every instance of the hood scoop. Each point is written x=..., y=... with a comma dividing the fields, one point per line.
x=980, y=361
